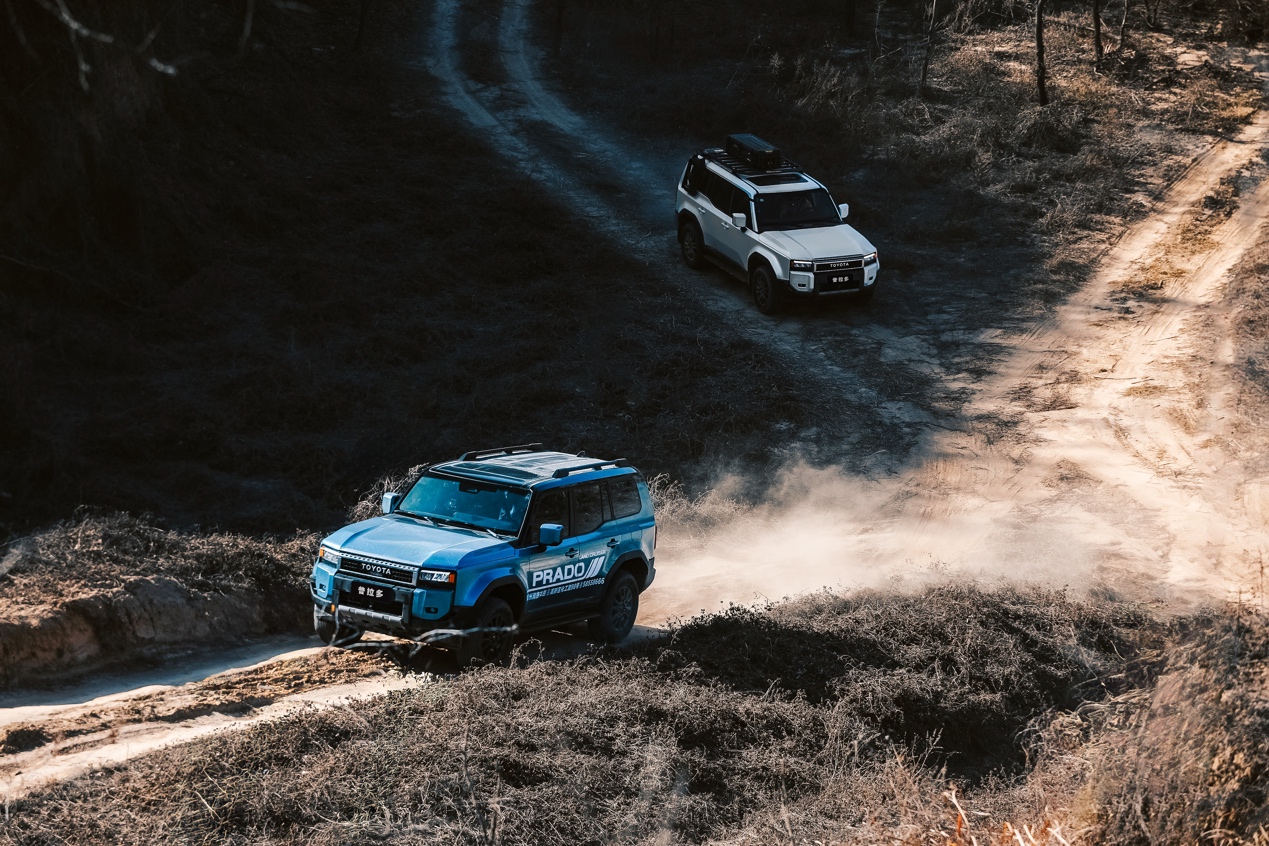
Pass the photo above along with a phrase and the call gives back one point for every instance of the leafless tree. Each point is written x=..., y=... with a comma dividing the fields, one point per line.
x=1097, y=35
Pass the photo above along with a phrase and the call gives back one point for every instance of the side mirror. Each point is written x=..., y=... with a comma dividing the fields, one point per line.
x=739, y=220
x=550, y=534
x=844, y=210
x=390, y=502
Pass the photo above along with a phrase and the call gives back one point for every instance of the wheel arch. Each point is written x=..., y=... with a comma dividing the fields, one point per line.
x=633, y=563
x=510, y=591
x=763, y=256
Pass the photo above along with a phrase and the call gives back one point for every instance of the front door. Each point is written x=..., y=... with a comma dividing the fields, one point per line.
x=542, y=566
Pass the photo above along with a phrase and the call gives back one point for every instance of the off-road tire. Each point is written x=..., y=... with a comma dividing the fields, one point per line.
x=488, y=640
x=692, y=244
x=865, y=296
x=332, y=635
x=617, y=611
x=765, y=290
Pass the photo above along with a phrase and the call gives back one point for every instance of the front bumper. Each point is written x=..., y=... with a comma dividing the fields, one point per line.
x=410, y=613
x=805, y=285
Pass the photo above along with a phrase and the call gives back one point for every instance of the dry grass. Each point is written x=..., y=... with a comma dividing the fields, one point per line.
x=336, y=321
x=1193, y=762
x=691, y=740
x=97, y=551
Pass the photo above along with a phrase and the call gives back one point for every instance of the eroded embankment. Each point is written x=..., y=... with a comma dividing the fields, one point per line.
x=103, y=588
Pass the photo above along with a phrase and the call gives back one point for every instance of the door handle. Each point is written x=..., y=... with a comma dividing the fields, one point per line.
x=572, y=553
x=613, y=542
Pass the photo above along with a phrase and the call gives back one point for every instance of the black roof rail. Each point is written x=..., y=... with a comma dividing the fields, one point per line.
x=479, y=454
x=594, y=465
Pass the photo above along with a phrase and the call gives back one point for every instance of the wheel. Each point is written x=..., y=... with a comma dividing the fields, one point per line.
x=765, y=289
x=692, y=245
x=488, y=641
x=617, y=612
x=865, y=296
x=333, y=635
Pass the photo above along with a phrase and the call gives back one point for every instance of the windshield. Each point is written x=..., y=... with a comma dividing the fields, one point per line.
x=796, y=210
x=481, y=505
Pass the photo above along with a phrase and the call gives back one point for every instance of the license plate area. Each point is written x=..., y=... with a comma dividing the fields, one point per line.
x=839, y=280
x=372, y=597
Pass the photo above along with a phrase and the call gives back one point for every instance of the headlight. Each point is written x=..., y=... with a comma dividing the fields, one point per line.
x=802, y=265
x=328, y=555
x=436, y=578
x=870, y=259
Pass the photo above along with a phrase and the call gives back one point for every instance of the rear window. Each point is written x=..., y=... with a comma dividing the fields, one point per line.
x=623, y=494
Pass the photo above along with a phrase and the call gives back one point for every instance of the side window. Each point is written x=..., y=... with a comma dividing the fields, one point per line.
x=739, y=203
x=718, y=190
x=588, y=509
x=692, y=179
x=548, y=507
x=623, y=494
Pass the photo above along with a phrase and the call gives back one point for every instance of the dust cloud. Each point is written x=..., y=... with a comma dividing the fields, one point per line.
x=825, y=529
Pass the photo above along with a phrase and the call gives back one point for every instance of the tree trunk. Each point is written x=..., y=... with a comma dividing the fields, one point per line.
x=929, y=47
x=1041, y=73
x=1097, y=35
x=1123, y=27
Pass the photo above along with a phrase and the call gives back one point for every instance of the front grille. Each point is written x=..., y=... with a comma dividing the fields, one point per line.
x=387, y=571
x=840, y=263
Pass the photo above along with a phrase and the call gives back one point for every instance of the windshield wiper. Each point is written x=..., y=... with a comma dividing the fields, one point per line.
x=431, y=520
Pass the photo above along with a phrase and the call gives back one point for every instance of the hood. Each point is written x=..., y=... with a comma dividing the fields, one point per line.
x=409, y=541
x=820, y=243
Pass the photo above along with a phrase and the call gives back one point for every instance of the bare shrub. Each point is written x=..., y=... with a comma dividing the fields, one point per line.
x=370, y=503
x=694, y=517
x=1193, y=763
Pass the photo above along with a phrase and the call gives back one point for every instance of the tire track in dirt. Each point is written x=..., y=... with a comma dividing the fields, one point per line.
x=1124, y=466
x=48, y=736
x=548, y=142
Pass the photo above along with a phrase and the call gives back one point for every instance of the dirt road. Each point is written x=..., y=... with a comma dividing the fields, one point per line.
x=1105, y=448
x=1099, y=452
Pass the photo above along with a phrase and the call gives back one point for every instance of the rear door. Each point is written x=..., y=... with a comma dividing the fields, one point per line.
x=720, y=196
x=592, y=542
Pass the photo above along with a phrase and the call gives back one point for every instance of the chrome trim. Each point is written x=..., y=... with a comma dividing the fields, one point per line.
x=839, y=263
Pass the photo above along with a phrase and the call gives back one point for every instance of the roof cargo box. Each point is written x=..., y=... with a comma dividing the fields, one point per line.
x=754, y=152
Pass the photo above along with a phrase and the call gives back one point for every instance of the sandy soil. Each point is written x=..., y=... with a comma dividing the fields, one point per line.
x=1103, y=452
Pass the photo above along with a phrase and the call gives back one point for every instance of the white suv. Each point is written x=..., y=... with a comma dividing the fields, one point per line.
x=757, y=215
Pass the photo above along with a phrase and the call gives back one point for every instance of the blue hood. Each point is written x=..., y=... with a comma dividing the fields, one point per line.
x=409, y=541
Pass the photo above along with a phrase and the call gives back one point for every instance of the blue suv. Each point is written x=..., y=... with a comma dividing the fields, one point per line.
x=500, y=540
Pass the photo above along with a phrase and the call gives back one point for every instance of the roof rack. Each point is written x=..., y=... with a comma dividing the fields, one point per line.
x=479, y=454
x=742, y=168
x=748, y=155
x=594, y=465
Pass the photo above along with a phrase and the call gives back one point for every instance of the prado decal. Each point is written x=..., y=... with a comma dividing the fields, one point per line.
x=576, y=574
